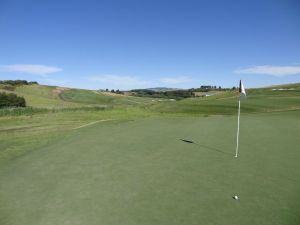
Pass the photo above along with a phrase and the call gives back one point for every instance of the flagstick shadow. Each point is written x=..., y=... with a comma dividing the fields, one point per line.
x=214, y=149
x=187, y=141
x=205, y=146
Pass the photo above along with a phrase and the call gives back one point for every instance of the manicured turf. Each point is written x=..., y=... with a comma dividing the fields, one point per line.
x=141, y=172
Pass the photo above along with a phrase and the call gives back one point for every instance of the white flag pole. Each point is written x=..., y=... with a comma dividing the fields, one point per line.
x=238, y=130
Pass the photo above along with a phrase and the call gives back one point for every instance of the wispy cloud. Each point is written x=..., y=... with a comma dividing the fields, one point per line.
x=120, y=81
x=135, y=82
x=30, y=69
x=175, y=80
x=278, y=71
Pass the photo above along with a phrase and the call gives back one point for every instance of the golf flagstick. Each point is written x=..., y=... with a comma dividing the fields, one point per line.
x=241, y=92
x=238, y=130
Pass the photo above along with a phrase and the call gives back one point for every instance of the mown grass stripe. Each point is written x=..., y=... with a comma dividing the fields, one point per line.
x=88, y=124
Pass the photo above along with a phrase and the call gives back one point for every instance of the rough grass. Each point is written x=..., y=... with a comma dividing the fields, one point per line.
x=19, y=111
x=42, y=96
x=258, y=100
x=93, y=97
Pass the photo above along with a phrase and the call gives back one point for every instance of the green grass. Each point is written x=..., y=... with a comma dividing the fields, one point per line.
x=42, y=96
x=93, y=97
x=132, y=168
x=25, y=111
x=258, y=100
x=140, y=172
x=84, y=96
x=22, y=134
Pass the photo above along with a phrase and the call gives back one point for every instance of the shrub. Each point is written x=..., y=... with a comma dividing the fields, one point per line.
x=11, y=100
x=8, y=87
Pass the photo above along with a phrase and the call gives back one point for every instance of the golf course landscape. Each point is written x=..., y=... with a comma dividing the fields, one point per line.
x=82, y=157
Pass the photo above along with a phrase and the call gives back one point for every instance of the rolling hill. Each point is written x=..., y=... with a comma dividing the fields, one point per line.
x=274, y=98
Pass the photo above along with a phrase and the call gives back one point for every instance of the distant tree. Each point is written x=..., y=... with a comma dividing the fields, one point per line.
x=112, y=91
x=206, y=87
x=233, y=88
x=220, y=87
x=32, y=82
x=106, y=90
x=119, y=92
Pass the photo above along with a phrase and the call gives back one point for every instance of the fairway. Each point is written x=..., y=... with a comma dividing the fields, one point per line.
x=142, y=172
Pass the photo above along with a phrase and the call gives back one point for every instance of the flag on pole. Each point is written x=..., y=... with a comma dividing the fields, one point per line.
x=242, y=89
x=242, y=93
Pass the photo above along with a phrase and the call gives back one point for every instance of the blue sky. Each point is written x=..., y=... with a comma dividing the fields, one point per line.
x=124, y=44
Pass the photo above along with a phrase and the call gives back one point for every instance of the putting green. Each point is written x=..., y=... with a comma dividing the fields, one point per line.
x=141, y=172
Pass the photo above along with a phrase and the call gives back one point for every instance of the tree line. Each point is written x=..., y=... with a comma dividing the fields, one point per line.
x=17, y=82
x=176, y=94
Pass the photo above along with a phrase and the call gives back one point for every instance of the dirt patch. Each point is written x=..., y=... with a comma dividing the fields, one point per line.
x=59, y=91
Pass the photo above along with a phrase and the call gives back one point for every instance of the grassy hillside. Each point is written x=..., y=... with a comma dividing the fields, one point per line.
x=287, y=86
x=93, y=97
x=42, y=96
x=275, y=98
x=257, y=100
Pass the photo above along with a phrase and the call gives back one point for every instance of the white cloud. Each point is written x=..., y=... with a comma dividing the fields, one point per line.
x=278, y=71
x=30, y=69
x=120, y=81
x=175, y=80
